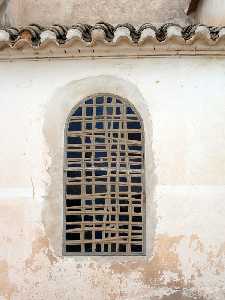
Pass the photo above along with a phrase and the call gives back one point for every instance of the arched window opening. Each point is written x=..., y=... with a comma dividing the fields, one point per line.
x=104, y=178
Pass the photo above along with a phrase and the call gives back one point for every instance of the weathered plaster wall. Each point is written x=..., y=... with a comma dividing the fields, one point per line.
x=211, y=12
x=74, y=11
x=24, y=12
x=182, y=100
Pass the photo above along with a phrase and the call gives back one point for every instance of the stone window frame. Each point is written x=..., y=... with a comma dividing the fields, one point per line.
x=57, y=109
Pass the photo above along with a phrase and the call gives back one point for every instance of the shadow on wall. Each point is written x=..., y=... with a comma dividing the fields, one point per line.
x=211, y=12
x=191, y=6
x=4, y=18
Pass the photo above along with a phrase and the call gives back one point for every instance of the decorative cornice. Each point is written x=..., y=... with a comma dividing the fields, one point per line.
x=102, y=39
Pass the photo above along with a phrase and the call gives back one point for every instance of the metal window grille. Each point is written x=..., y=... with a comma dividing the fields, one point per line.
x=104, y=179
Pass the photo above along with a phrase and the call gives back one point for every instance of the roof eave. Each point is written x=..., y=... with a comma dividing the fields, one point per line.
x=105, y=40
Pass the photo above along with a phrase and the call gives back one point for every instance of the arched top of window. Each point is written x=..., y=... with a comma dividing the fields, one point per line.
x=104, y=178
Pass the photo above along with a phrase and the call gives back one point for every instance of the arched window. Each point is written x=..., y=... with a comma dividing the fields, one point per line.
x=104, y=178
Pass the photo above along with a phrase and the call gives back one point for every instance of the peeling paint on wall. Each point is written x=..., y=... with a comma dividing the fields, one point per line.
x=6, y=287
x=41, y=244
x=165, y=261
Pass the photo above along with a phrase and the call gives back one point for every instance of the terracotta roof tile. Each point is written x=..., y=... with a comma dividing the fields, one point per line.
x=106, y=40
x=107, y=33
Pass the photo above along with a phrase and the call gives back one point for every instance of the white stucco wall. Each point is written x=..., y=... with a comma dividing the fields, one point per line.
x=185, y=100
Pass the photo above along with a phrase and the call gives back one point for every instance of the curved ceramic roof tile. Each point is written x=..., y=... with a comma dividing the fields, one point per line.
x=74, y=33
x=132, y=31
x=122, y=33
x=37, y=36
x=60, y=32
x=221, y=33
x=47, y=35
x=4, y=36
x=107, y=28
x=85, y=30
x=13, y=33
x=147, y=34
x=98, y=34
